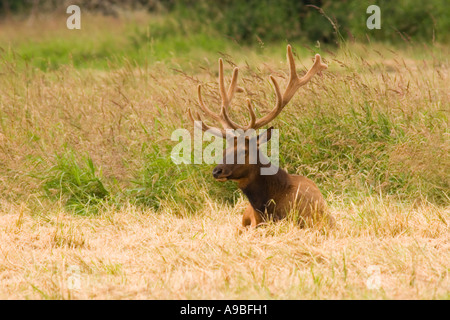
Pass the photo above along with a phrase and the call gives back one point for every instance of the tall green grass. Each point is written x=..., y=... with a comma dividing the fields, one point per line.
x=78, y=185
x=360, y=149
x=376, y=122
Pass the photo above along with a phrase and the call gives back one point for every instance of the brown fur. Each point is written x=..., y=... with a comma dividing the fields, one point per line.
x=272, y=197
x=280, y=194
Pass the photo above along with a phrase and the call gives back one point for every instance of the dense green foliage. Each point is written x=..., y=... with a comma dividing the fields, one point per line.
x=267, y=20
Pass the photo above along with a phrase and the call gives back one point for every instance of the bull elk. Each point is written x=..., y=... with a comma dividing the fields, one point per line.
x=270, y=196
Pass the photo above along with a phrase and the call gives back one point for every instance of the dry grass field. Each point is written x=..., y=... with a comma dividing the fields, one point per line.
x=136, y=254
x=87, y=184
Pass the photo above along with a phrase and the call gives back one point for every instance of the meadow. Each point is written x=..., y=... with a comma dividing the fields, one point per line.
x=86, y=177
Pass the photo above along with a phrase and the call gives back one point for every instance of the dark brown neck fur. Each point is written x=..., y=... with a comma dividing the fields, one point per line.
x=264, y=191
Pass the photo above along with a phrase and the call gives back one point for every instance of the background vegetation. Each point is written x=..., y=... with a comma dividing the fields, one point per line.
x=376, y=121
x=268, y=20
x=86, y=118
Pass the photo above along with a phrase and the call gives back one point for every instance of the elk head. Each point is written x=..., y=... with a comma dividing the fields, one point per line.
x=239, y=162
x=243, y=158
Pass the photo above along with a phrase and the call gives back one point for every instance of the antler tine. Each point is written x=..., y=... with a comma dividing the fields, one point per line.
x=204, y=107
x=295, y=82
x=252, y=115
x=233, y=85
x=204, y=127
x=293, y=85
x=223, y=93
x=223, y=117
x=227, y=96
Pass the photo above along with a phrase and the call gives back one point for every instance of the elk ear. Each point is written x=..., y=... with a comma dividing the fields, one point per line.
x=265, y=136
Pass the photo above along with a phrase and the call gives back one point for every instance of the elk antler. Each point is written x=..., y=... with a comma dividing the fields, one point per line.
x=282, y=100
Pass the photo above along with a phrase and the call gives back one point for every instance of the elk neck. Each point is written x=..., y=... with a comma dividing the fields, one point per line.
x=263, y=190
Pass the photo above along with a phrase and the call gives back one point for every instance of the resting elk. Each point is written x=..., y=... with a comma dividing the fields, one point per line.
x=270, y=196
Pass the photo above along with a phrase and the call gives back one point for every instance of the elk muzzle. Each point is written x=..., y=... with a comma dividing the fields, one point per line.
x=221, y=173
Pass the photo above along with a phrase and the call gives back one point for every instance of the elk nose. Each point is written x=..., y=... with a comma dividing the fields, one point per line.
x=216, y=172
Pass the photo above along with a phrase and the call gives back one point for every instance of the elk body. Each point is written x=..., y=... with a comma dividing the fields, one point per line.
x=271, y=196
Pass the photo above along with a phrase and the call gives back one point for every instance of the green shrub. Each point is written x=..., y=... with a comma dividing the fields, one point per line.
x=78, y=185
